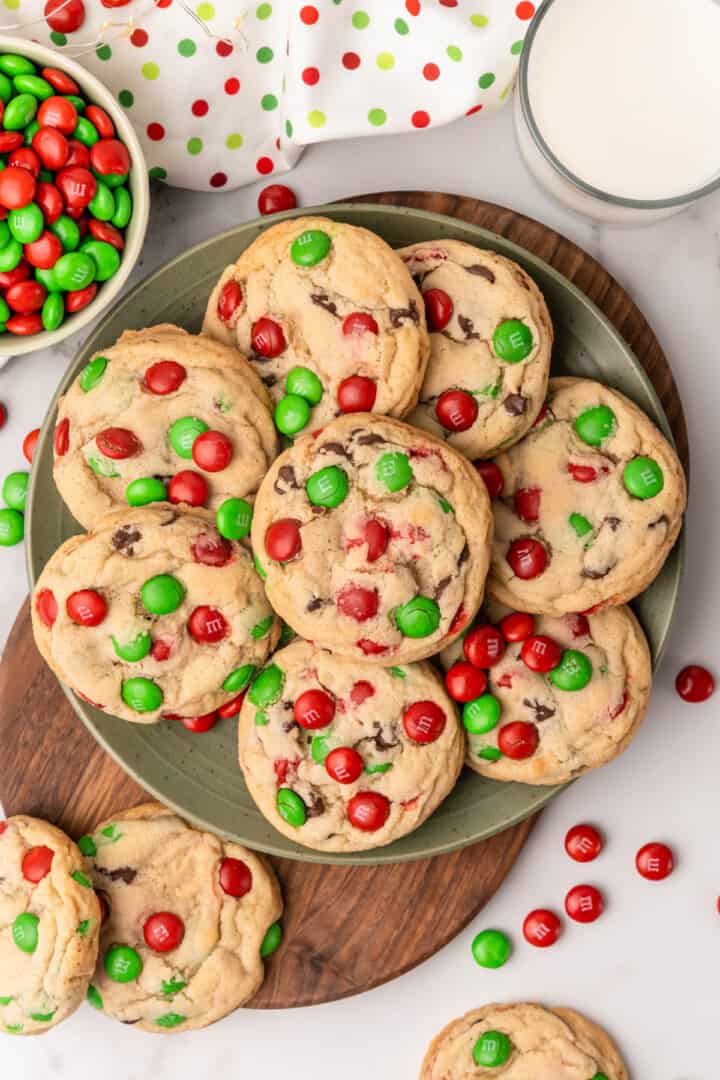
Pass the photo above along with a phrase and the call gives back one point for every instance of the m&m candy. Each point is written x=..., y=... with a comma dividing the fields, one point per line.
x=654, y=861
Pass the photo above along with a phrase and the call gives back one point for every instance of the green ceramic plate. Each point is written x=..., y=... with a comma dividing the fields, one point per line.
x=197, y=774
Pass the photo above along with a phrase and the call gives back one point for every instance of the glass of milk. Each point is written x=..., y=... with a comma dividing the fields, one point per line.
x=616, y=109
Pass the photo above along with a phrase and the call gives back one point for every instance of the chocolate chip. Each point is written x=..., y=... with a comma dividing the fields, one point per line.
x=335, y=448
x=464, y=555
x=286, y=480
x=123, y=873
x=315, y=807
x=515, y=404
x=398, y=315
x=662, y=520
x=316, y=603
x=169, y=519
x=269, y=380
x=596, y=575
x=124, y=538
x=441, y=587
x=369, y=439
x=613, y=523
x=256, y=358
x=542, y=712
x=385, y=738
x=468, y=328
x=481, y=271
x=322, y=300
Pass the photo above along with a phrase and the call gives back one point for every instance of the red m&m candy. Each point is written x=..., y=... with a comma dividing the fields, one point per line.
x=541, y=653
x=518, y=740
x=17, y=186
x=276, y=197
x=375, y=535
x=438, y=308
x=456, y=410
x=212, y=451
x=361, y=691
x=210, y=549
x=207, y=625
x=584, y=903
x=358, y=603
x=694, y=683
x=527, y=503
x=165, y=377
x=229, y=300
x=368, y=811
x=163, y=931
x=464, y=682
x=58, y=112
x=314, y=709
x=424, y=722
x=117, y=443
x=235, y=877
x=584, y=474
x=484, y=646
x=200, y=724
x=583, y=843
x=357, y=324
x=492, y=476
x=541, y=928
x=344, y=765
x=268, y=338
x=36, y=863
x=231, y=708
x=527, y=558
x=517, y=626
x=188, y=487
x=282, y=540
x=29, y=444
x=356, y=394
x=654, y=861
x=46, y=606
x=110, y=157
x=86, y=607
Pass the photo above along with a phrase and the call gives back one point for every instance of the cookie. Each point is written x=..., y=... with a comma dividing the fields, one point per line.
x=162, y=415
x=490, y=343
x=330, y=318
x=49, y=926
x=591, y=504
x=188, y=920
x=523, y=1042
x=153, y=614
x=549, y=697
x=374, y=538
x=341, y=755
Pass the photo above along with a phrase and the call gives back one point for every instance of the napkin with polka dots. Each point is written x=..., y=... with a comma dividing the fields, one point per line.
x=222, y=93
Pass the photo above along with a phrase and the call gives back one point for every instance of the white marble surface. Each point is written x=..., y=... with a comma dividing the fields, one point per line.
x=647, y=969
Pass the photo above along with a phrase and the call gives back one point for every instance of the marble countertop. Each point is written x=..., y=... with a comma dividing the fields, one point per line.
x=647, y=969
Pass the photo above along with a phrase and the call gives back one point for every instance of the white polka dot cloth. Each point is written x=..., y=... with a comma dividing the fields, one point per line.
x=222, y=92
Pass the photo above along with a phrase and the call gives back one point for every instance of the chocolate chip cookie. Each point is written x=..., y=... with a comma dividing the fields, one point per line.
x=49, y=926
x=162, y=415
x=591, y=503
x=188, y=919
x=330, y=319
x=374, y=538
x=154, y=614
x=545, y=698
x=523, y=1042
x=342, y=755
x=490, y=343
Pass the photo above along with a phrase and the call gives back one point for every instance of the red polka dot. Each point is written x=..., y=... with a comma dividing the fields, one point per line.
x=431, y=72
x=309, y=15
x=351, y=60
x=200, y=107
x=413, y=6
x=475, y=108
x=310, y=76
x=525, y=10
x=224, y=48
x=163, y=3
x=232, y=86
x=277, y=142
x=156, y=132
x=264, y=165
x=139, y=38
x=218, y=179
x=420, y=119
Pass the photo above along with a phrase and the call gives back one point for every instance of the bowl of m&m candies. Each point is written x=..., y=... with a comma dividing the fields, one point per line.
x=74, y=197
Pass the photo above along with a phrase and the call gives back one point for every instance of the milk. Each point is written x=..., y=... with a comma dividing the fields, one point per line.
x=626, y=95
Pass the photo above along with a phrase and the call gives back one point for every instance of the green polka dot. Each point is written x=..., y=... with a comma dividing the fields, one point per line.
x=401, y=27
x=150, y=71
x=57, y=38
x=234, y=141
x=385, y=61
x=479, y=20
x=103, y=52
x=316, y=118
x=194, y=145
x=263, y=11
x=126, y=98
x=377, y=117
x=485, y=81
x=516, y=48
x=264, y=55
x=288, y=129
x=360, y=20
x=157, y=173
x=12, y=5
x=269, y=102
x=205, y=11
x=454, y=52
x=186, y=47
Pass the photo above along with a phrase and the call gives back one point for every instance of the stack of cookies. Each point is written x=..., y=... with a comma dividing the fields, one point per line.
x=428, y=461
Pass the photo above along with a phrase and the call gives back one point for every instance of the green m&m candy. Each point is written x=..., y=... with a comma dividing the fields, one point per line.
x=123, y=207
x=492, y=1049
x=394, y=471
x=52, y=312
x=4, y=311
x=419, y=618
x=94, y=997
x=122, y=964
x=292, y=413
x=92, y=373
x=19, y=111
x=320, y=748
x=272, y=939
x=142, y=695
x=238, y=679
x=33, y=84
x=162, y=594
x=74, y=271
x=87, y=845
x=573, y=672
x=10, y=255
x=67, y=232
x=44, y=176
x=481, y=715
x=6, y=88
x=183, y=433
x=309, y=248
x=580, y=524
x=25, y=932
x=595, y=425
x=262, y=628
x=12, y=527
x=599, y=1076
x=102, y=204
x=14, y=490
x=258, y=567
x=4, y=233
x=170, y=1020
x=48, y=279
x=105, y=257
x=267, y=687
x=27, y=223
x=86, y=132
x=490, y=753
x=491, y=948
x=512, y=341
x=290, y=807
x=144, y=490
x=305, y=383
x=234, y=518
x=112, y=180
x=643, y=478
x=327, y=487
x=135, y=649
x=12, y=64
x=76, y=100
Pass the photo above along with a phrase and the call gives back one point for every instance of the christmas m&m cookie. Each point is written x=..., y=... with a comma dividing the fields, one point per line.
x=49, y=926
x=154, y=614
x=490, y=343
x=590, y=505
x=545, y=698
x=162, y=415
x=187, y=921
x=342, y=755
x=523, y=1042
x=374, y=539
x=330, y=319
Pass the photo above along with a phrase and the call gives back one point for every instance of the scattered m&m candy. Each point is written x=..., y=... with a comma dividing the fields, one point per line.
x=695, y=683
x=654, y=861
x=491, y=948
x=584, y=903
x=541, y=928
x=583, y=843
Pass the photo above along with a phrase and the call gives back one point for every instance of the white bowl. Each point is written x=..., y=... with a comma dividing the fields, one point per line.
x=15, y=345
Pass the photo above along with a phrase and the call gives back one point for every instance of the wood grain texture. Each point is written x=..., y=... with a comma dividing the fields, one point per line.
x=339, y=938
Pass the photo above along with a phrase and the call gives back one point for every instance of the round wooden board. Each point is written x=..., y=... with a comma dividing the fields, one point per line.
x=338, y=938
